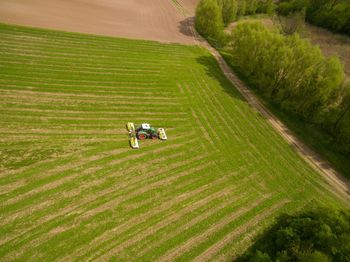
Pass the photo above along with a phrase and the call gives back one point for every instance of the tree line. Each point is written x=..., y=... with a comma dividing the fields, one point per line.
x=294, y=75
x=288, y=70
x=318, y=235
x=331, y=14
x=213, y=15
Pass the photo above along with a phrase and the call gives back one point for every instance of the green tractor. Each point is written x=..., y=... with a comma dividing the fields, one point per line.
x=144, y=131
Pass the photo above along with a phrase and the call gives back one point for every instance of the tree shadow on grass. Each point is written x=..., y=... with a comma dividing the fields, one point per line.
x=214, y=71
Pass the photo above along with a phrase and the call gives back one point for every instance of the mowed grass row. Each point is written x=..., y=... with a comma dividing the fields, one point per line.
x=70, y=186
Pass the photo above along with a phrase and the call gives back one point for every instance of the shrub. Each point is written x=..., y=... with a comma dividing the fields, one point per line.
x=316, y=235
x=209, y=21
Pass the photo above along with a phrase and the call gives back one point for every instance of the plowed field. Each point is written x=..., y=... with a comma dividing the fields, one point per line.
x=141, y=19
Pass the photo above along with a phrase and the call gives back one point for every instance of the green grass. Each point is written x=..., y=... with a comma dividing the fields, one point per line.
x=70, y=186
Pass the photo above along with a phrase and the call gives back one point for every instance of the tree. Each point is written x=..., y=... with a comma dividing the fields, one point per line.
x=209, y=21
x=266, y=7
x=340, y=119
x=229, y=10
x=319, y=235
x=331, y=14
x=292, y=23
x=251, y=6
x=242, y=6
x=292, y=72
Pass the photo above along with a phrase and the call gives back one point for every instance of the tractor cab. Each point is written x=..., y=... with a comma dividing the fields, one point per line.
x=146, y=131
x=145, y=126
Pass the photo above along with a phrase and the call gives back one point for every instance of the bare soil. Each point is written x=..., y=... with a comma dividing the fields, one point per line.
x=189, y=5
x=139, y=19
x=331, y=44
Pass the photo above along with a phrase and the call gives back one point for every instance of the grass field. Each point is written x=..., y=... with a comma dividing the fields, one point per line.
x=70, y=186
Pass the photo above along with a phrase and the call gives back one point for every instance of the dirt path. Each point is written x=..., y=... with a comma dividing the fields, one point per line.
x=339, y=183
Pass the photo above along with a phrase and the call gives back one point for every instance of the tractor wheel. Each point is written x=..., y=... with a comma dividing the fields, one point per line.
x=154, y=137
x=142, y=136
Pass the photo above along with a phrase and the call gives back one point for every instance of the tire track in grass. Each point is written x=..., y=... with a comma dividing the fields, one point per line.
x=23, y=99
x=154, y=184
x=33, y=241
x=180, y=89
x=202, y=128
x=88, y=89
x=18, y=196
x=214, y=112
x=80, y=95
x=65, y=111
x=89, y=132
x=195, y=240
x=86, y=61
x=189, y=94
x=24, y=94
x=110, y=191
x=51, y=48
x=94, y=156
x=16, y=47
x=89, y=40
x=178, y=187
x=84, y=109
x=76, y=57
x=157, y=208
x=82, y=83
x=56, y=164
x=82, y=73
x=211, y=131
x=31, y=118
x=206, y=100
x=210, y=100
x=68, y=164
x=165, y=207
x=158, y=226
x=113, y=192
x=262, y=133
x=214, y=249
x=218, y=105
x=205, y=131
x=85, y=69
x=209, y=113
x=310, y=180
x=147, y=84
x=197, y=228
x=145, y=247
x=57, y=131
